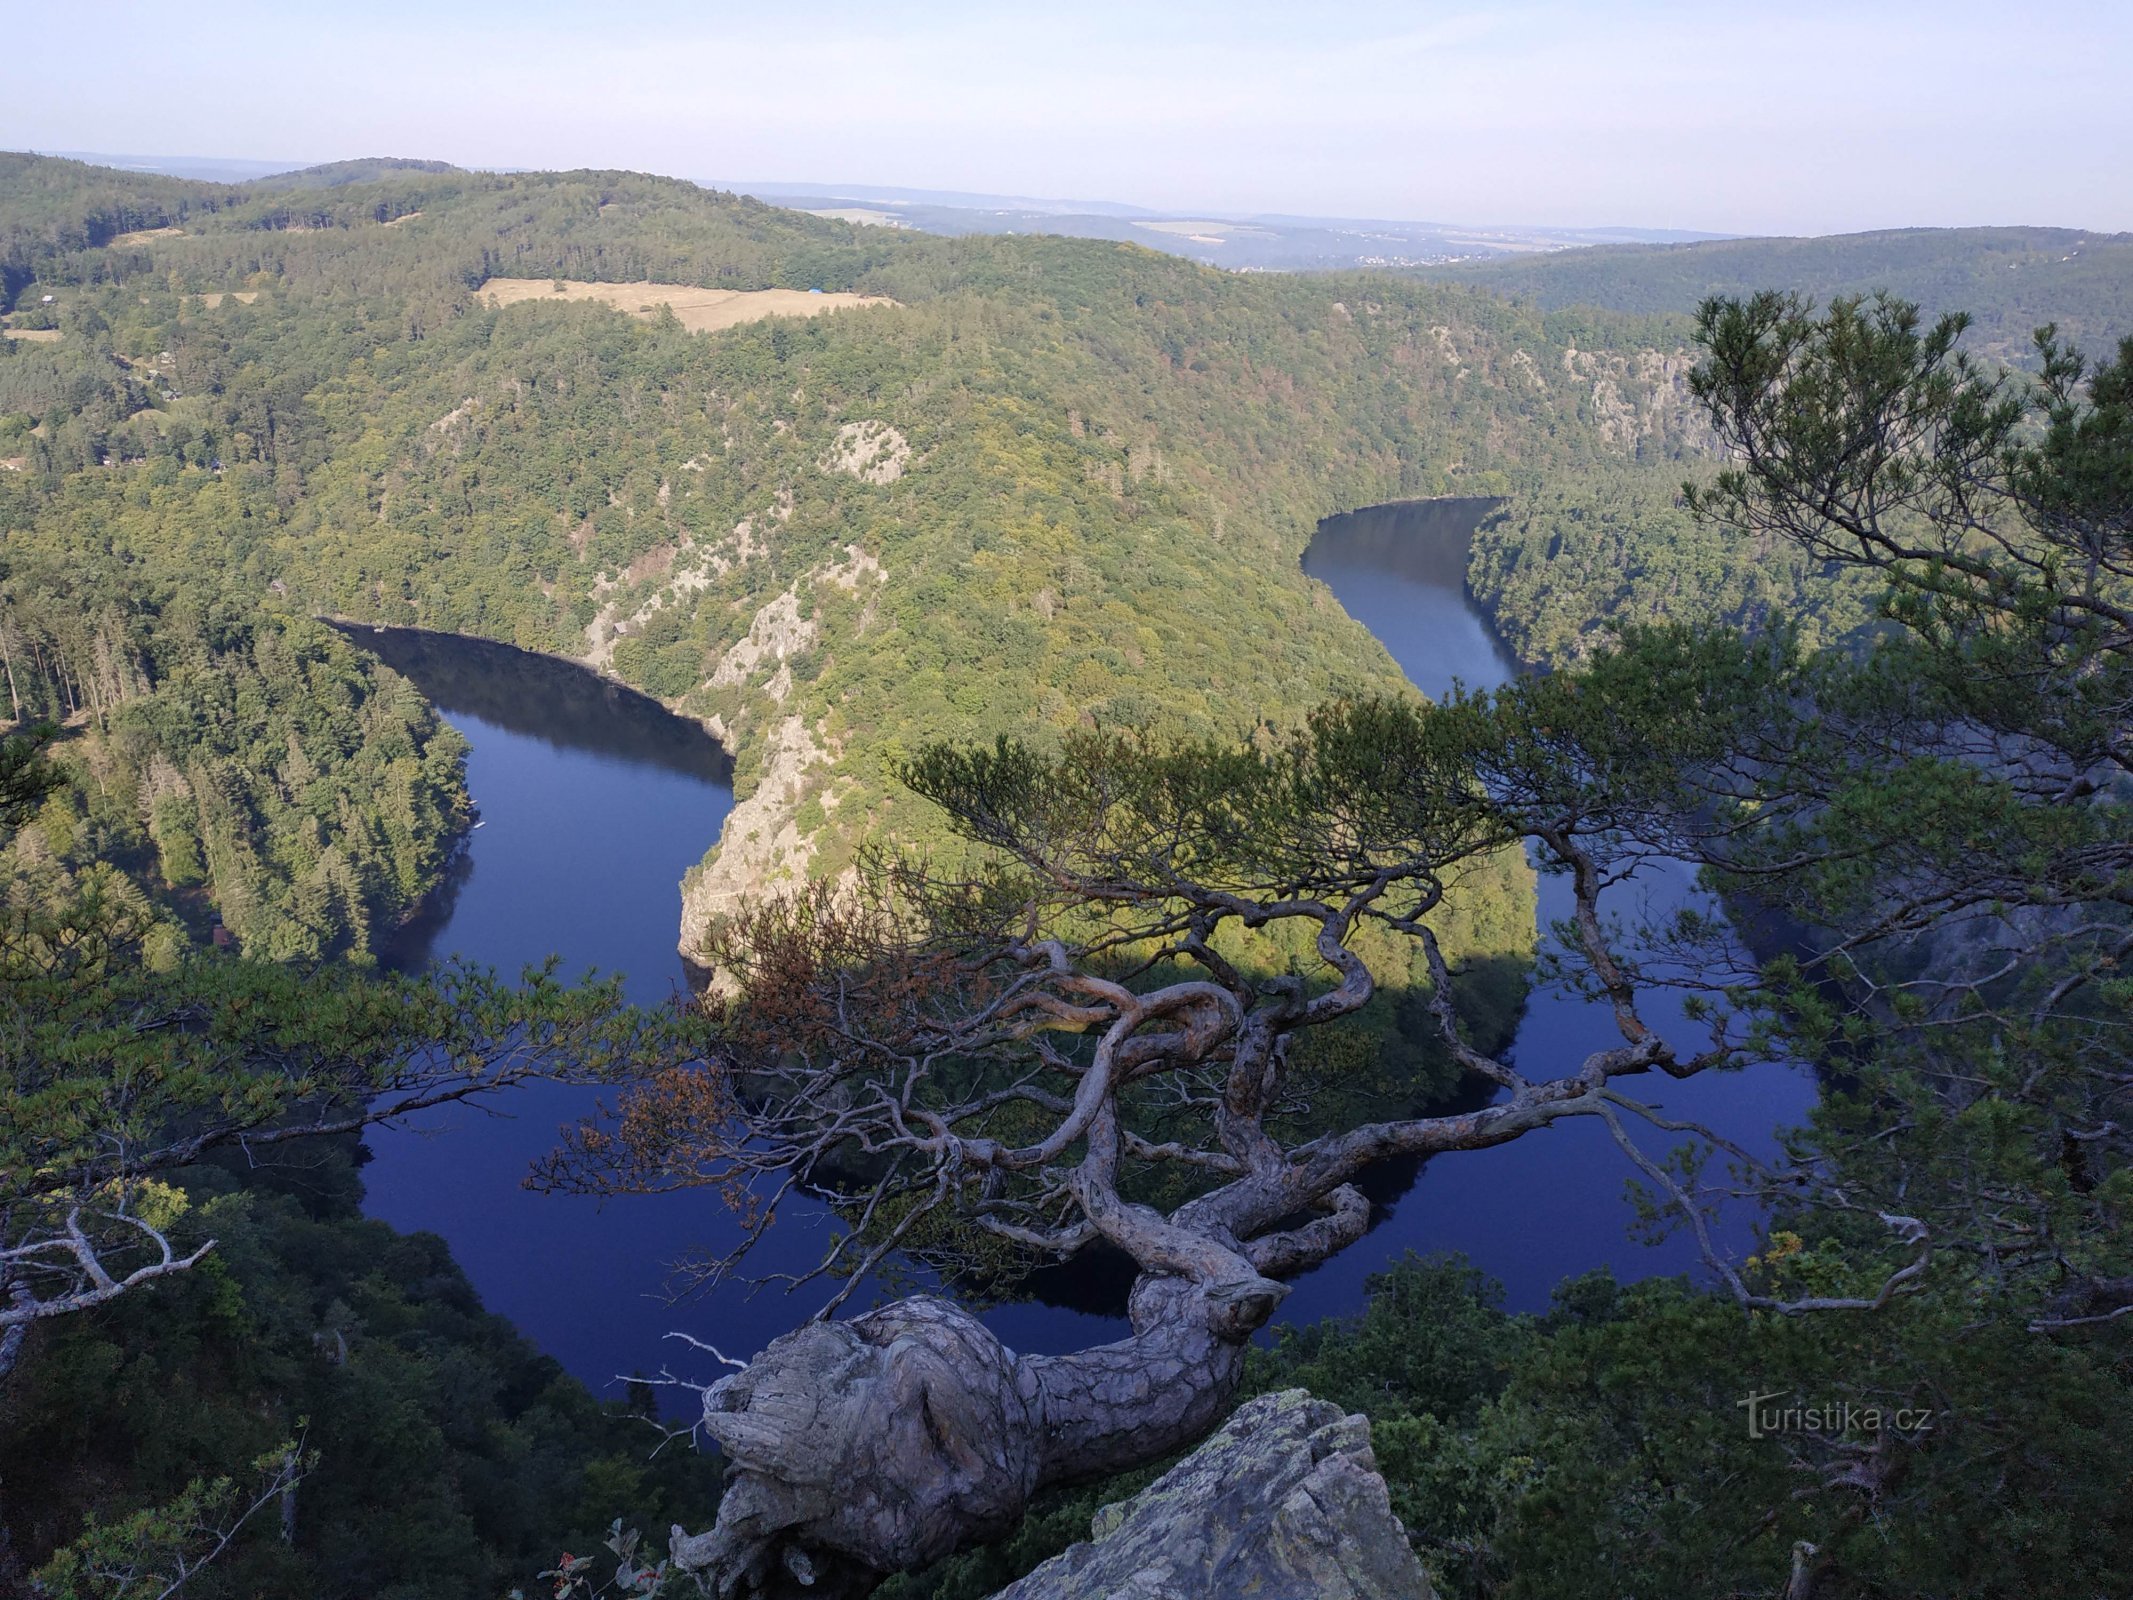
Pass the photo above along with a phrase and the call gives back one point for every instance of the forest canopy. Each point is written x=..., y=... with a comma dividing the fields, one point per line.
x=1057, y=481
x=1083, y=842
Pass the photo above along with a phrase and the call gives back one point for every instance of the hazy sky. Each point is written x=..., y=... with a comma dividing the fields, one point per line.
x=1728, y=115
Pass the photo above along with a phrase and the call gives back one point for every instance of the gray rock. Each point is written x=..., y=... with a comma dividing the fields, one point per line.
x=1284, y=1503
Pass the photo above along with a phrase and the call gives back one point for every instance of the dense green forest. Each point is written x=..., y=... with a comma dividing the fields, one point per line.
x=247, y=769
x=1059, y=481
x=1571, y=557
x=1566, y=564
x=452, y=1457
x=2010, y=280
x=1055, y=486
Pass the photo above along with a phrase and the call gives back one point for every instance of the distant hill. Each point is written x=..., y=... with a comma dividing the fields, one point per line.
x=338, y=174
x=2011, y=280
x=871, y=194
x=1255, y=243
x=205, y=169
x=1260, y=242
x=51, y=207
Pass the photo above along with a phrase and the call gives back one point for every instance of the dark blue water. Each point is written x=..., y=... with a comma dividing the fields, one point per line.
x=594, y=801
x=1552, y=1204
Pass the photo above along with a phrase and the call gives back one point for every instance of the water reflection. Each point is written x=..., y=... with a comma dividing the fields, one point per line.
x=594, y=801
x=1400, y=570
x=554, y=701
x=1553, y=1204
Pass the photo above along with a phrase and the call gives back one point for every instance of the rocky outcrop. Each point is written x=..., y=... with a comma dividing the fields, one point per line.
x=761, y=846
x=872, y=452
x=778, y=632
x=1285, y=1502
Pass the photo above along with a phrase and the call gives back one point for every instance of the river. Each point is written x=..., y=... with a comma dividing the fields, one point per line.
x=594, y=800
x=1540, y=1209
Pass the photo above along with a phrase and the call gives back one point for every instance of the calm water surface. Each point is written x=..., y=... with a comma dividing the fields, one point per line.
x=595, y=800
x=1535, y=1211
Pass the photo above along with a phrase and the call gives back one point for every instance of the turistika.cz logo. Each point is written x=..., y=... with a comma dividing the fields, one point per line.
x=1766, y=1420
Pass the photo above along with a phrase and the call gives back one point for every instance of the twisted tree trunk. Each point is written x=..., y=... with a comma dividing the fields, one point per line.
x=862, y=1448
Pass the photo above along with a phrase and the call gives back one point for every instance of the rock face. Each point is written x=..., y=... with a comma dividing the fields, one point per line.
x=1284, y=1503
x=761, y=846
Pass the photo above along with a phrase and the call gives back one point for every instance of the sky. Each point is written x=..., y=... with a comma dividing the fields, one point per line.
x=1730, y=115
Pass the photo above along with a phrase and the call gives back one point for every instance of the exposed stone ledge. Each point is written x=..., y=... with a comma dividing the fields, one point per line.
x=1284, y=1503
x=761, y=846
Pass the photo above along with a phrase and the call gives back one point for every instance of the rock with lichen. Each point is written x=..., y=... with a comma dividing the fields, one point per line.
x=1284, y=1503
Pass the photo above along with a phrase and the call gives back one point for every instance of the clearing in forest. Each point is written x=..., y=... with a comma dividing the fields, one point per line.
x=143, y=235
x=699, y=310
x=33, y=335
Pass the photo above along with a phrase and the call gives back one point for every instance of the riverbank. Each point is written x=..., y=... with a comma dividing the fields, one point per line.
x=594, y=799
x=1549, y=1207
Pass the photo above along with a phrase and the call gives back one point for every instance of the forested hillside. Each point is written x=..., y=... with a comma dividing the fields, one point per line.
x=453, y=1458
x=2010, y=280
x=1564, y=565
x=1568, y=560
x=1057, y=482
x=253, y=770
x=1051, y=490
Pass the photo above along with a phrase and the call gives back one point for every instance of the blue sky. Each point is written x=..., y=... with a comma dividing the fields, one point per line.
x=1738, y=116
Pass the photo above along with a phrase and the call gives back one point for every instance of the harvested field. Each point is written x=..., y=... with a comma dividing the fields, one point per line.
x=33, y=335
x=143, y=235
x=866, y=216
x=699, y=310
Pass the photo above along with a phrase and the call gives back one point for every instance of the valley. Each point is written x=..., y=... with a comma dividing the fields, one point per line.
x=592, y=801
x=1129, y=833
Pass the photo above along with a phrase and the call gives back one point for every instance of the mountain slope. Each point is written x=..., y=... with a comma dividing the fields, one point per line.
x=1054, y=482
x=2011, y=280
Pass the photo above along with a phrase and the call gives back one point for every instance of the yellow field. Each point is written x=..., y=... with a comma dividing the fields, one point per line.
x=143, y=235
x=699, y=310
x=34, y=335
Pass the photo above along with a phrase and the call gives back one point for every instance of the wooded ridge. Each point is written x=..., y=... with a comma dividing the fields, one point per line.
x=1058, y=482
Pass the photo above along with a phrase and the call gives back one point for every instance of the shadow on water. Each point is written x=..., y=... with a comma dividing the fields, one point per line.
x=594, y=800
x=559, y=702
x=1400, y=570
x=1428, y=541
x=1552, y=1205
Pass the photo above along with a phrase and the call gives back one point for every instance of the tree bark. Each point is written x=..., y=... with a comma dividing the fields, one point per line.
x=868, y=1447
